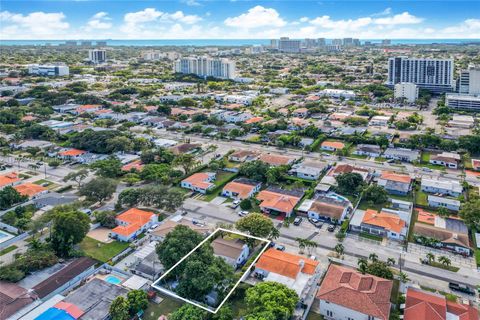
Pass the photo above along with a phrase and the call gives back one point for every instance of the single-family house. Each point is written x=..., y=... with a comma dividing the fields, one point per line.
x=185, y=148
x=135, y=165
x=30, y=190
x=276, y=160
x=166, y=226
x=243, y=155
x=292, y=270
x=332, y=145
x=199, y=182
x=9, y=179
x=330, y=207
x=235, y=251
x=447, y=159
x=345, y=293
x=443, y=202
x=254, y=120
x=310, y=170
x=420, y=304
x=385, y=223
x=402, y=154
x=300, y=113
x=370, y=150
x=395, y=183
x=446, y=187
x=131, y=223
x=278, y=201
x=241, y=188
x=379, y=121
x=71, y=154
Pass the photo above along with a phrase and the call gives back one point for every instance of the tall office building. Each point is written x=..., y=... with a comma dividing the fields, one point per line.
x=435, y=75
x=407, y=91
x=469, y=81
x=337, y=42
x=274, y=44
x=206, y=67
x=310, y=43
x=347, y=42
x=48, y=69
x=286, y=44
x=321, y=42
x=97, y=56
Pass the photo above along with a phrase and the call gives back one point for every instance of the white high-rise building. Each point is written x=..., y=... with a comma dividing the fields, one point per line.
x=97, y=56
x=406, y=90
x=206, y=67
x=435, y=75
x=49, y=69
x=286, y=44
x=469, y=81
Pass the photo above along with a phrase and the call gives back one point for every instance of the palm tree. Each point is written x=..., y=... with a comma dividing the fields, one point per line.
x=301, y=244
x=445, y=261
x=340, y=249
x=373, y=257
x=310, y=244
x=430, y=257
x=403, y=277
x=390, y=261
x=362, y=265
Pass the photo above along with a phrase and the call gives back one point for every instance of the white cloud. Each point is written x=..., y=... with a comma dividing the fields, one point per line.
x=402, y=18
x=256, y=17
x=386, y=12
x=350, y=24
x=33, y=25
x=191, y=3
x=181, y=17
x=469, y=28
x=100, y=20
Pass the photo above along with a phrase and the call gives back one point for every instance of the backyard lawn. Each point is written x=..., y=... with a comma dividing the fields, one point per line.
x=421, y=198
x=168, y=305
x=102, y=251
x=222, y=178
x=314, y=316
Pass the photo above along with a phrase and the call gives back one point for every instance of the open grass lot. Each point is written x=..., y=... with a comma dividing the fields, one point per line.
x=425, y=157
x=46, y=183
x=421, y=198
x=168, y=305
x=102, y=251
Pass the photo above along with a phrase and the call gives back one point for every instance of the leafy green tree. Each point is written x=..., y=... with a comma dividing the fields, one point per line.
x=362, y=265
x=98, y=189
x=470, y=213
x=246, y=204
x=376, y=194
x=188, y=312
x=108, y=168
x=106, y=218
x=380, y=269
x=180, y=241
x=270, y=300
x=119, y=309
x=445, y=260
x=137, y=301
x=186, y=160
x=225, y=313
x=255, y=170
x=349, y=183
x=68, y=229
x=257, y=225
x=9, y=197
x=156, y=172
x=76, y=176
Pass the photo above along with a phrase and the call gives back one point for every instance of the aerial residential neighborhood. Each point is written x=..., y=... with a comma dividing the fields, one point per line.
x=235, y=177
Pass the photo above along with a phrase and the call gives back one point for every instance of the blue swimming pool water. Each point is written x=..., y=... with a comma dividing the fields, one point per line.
x=113, y=279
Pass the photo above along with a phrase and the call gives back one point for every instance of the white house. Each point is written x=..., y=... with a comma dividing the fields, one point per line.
x=241, y=188
x=199, y=182
x=347, y=294
x=309, y=170
x=441, y=202
x=370, y=150
x=448, y=187
x=381, y=121
x=446, y=159
x=234, y=252
x=131, y=223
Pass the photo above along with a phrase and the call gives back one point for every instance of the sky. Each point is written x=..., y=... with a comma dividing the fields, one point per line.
x=238, y=19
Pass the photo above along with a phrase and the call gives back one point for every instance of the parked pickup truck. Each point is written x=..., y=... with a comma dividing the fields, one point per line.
x=461, y=288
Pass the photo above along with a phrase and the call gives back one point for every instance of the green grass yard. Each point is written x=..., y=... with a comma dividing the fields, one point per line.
x=7, y=250
x=421, y=198
x=102, y=251
x=222, y=178
x=167, y=306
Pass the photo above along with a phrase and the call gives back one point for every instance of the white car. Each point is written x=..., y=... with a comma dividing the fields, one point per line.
x=243, y=213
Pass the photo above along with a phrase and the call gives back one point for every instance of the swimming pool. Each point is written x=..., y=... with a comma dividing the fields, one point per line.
x=4, y=236
x=113, y=279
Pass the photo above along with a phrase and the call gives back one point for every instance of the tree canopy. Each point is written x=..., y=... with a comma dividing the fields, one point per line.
x=270, y=300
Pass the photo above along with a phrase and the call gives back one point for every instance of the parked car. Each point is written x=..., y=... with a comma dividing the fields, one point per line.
x=461, y=288
x=317, y=223
x=331, y=228
x=184, y=212
x=297, y=221
x=279, y=247
x=243, y=213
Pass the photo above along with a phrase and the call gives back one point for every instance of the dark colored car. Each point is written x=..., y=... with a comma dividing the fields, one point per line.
x=461, y=288
x=331, y=228
x=297, y=221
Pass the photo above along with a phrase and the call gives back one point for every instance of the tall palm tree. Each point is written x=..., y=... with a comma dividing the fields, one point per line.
x=310, y=244
x=340, y=249
x=403, y=277
x=430, y=256
x=373, y=257
x=445, y=261
x=301, y=244
x=362, y=265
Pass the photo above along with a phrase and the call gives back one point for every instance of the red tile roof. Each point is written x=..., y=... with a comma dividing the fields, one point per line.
x=388, y=221
x=71, y=153
x=135, y=219
x=392, y=176
x=349, y=288
x=242, y=189
x=8, y=179
x=333, y=144
x=277, y=201
x=285, y=264
x=29, y=189
x=137, y=165
x=275, y=159
x=199, y=180
x=430, y=306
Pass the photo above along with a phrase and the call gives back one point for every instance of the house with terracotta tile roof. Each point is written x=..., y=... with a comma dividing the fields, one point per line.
x=243, y=155
x=332, y=145
x=31, y=190
x=241, y=188
x=286, y=268
x=199, y=182
x=9, y=179
x=131, y=223
x=254, y=120
x=424, y=305
x=276, y=160
x=395, y=183
x=278, y=201
x=345, y=293
x=71, y=154
x=90, y=108
x=135, y=165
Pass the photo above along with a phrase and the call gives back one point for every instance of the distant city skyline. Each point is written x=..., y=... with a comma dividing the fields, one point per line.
x=196, y=19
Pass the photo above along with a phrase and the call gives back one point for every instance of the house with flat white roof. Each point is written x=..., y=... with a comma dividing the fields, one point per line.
x=442, y=202
x=448, y=187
